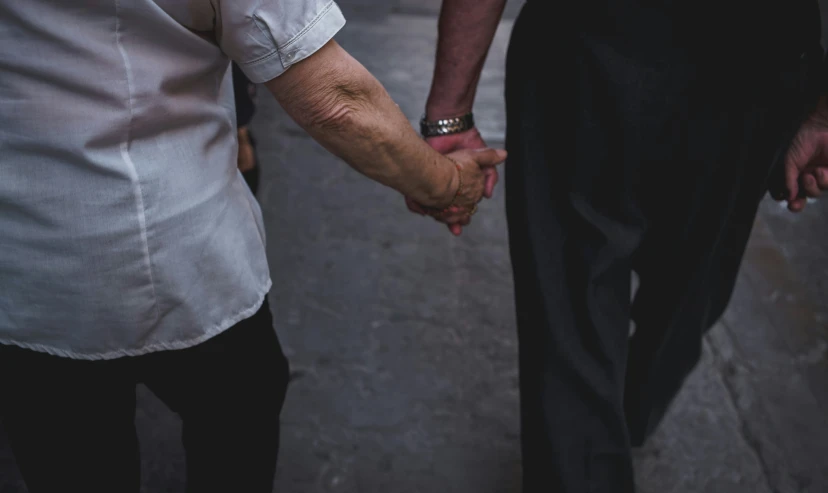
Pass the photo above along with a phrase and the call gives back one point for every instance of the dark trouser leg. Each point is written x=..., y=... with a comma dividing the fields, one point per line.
x=572, y=301
x=572, y=296
x=70, y=423
x=229, y=392
x=571, y=257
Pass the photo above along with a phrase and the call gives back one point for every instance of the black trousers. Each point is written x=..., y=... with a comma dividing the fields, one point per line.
x=622, y=160
x=71, y=422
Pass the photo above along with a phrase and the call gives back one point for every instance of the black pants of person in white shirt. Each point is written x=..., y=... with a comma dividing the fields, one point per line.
x=71, y=423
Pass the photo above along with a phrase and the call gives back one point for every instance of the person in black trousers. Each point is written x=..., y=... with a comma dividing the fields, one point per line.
x=642, y=136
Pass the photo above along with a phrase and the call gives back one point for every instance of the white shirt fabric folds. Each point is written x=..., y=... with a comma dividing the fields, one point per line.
x=125, y=226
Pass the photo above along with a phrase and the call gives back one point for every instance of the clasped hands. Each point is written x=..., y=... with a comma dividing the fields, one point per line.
x=476, y=164
x=805, y=169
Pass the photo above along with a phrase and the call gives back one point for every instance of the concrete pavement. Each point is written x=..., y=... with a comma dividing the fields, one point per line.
x=402, y=338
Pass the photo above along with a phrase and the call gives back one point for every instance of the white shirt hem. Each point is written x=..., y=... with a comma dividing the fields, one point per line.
x=152, y=348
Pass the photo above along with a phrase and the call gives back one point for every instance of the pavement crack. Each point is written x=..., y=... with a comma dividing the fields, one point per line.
x=726, y=370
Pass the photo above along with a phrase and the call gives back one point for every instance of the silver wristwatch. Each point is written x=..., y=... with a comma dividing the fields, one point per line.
x=446, y=126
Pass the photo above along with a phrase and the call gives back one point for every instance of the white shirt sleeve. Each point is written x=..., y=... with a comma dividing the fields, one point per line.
x=266, y=37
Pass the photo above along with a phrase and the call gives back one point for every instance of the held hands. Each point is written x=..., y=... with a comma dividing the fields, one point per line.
x=806, y=163
x=479, y=177
x=469, y=139
x=473, y=168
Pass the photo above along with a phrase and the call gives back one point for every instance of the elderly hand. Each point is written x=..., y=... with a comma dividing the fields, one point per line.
x=445, y=144
x=470, y=139
x=806, y=163
x=473, y=167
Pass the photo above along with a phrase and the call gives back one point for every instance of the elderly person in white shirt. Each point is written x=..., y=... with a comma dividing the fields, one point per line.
x=131, y=249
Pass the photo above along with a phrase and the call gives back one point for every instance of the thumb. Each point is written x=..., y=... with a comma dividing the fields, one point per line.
x=488, y=157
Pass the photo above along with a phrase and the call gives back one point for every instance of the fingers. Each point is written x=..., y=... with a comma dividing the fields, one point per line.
x=802, y=151
x=491, y=182
x=797, y=205
x=821, y=177
x=457, y=228
x=455, y=218
x=415, y=207
x=813, y=182
x=479, y=177
x=452, y=215
x=809, y=183
x=486, y=159
x=489, y=157
x=791, y=177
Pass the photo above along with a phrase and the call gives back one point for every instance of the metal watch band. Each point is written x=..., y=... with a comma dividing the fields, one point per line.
x=446, y=126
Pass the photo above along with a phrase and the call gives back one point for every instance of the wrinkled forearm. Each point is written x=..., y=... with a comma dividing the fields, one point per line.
x=342, y=106
x=466, y=29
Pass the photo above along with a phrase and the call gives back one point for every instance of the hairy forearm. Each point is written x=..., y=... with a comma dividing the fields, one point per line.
x=466, y=30
x=341, y=105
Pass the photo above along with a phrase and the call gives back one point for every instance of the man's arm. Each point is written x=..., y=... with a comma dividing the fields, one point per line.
x=465, y=32
x=341, y=105
x=466, y=29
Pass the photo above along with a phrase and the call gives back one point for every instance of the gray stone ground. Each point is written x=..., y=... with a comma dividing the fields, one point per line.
x=402, y=338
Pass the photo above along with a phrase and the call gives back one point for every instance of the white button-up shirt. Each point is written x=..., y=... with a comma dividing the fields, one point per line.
x=125, y=227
